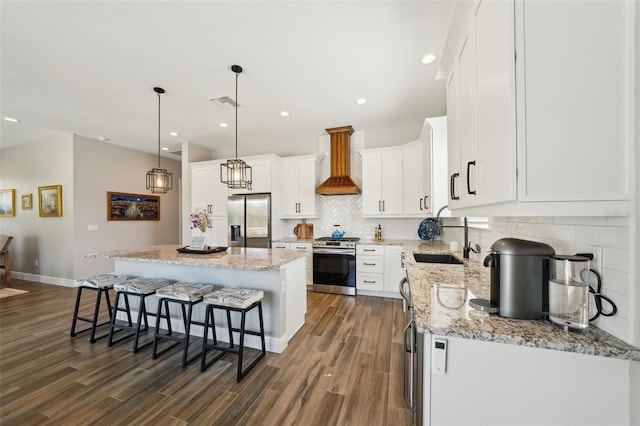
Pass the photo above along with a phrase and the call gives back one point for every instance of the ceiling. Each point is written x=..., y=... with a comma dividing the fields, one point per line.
x=89, y=68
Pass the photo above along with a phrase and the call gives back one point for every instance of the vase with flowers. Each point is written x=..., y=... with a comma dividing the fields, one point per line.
x=201, y=221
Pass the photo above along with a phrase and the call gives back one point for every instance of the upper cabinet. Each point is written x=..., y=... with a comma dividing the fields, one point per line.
x=381, y=182
x=535, y=125
x=416, y=179
x=207, y=192
x=261, y=171
x=396, y=181
x=299, y=180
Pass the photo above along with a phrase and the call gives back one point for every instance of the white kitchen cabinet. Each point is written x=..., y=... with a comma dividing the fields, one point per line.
x=381, y=182
x=416, y=179
x=261, y=177
x=453, y=141
x=369, y=269
x=307, y=248
x=556, y=148
x=393, y=269
x=299, y=180
x=207, y=192
x=379, y=269
x=505, y=384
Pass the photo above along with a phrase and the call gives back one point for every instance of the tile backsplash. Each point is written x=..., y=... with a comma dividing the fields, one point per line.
x=608, y=238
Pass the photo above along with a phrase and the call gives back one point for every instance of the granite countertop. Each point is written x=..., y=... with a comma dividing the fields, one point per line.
x=441, y=294
x=255, y=259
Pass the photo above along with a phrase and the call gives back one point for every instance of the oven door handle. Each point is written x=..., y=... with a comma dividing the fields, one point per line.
x=407, y=367
x=351, y=252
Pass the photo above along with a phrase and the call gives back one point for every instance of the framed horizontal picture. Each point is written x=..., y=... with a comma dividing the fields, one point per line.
x=27, y=201
x=7, y=202
x=50, y=201
x=124, y=206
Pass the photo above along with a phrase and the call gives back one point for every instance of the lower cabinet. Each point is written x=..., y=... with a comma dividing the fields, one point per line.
x=378, y=270
x=505, y=384
x=307, y=247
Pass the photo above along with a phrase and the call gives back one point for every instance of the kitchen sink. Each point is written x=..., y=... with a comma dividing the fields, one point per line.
x=436, y=258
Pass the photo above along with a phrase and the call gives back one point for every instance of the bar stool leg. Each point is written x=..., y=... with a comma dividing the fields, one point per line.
x=75, y=313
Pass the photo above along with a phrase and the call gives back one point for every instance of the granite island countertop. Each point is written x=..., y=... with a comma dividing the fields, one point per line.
x=254, y=259
x=441, y=294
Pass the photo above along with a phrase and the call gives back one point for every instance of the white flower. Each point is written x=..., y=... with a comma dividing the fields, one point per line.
x=200, y=219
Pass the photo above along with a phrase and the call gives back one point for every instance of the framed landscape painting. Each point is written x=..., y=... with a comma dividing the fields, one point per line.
x=124, y=206
x=7, y=202
x=50, y=201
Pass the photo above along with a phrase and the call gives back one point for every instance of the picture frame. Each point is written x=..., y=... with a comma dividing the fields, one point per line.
x=7, y=202
x=126, y=206
x=50, y=201
x=27, y=201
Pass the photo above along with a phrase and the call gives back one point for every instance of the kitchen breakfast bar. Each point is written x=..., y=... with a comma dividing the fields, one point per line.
x=280, y=274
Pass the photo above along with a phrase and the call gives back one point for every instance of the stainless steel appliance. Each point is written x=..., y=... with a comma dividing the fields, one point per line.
x=520, y=271
x=412, y=358
x=249, y=220
x=334, y=265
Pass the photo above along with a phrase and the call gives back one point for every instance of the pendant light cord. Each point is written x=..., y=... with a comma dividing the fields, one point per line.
x=158, y=129
x=237, y=74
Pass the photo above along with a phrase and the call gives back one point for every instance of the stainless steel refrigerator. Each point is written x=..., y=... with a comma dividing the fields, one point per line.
x=249, y=220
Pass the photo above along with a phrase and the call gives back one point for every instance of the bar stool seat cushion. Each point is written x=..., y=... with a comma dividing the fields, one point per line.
x=142, y=285
x=234, y=297
x=184, y=291
x=102, y=280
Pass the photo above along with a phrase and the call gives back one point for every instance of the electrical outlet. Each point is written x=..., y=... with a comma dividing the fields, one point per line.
x=36, y=262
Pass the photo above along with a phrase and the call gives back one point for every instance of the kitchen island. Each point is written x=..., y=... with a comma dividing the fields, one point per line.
x=280, y=274
x=508, y=371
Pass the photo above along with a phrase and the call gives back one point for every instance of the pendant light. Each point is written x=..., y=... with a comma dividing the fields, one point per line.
x=236, y=174
x=159, y=180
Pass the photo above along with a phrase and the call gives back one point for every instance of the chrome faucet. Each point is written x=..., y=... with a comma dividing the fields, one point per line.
x=467, y=247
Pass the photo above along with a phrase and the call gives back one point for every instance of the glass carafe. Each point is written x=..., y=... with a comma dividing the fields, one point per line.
x=569, y=292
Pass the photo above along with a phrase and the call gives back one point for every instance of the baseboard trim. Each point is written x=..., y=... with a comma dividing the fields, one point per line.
x=64, y=282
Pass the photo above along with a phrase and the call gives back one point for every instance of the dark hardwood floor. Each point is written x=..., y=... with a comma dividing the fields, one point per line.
x=344, y=367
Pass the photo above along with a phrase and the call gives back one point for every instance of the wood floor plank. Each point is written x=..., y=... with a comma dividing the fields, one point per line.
x=344, y=366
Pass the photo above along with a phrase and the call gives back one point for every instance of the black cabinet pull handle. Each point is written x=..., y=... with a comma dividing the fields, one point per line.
x=368, y=249
x=452, y=184
x=383, y=209
x=425, y=202
x=421, y=200
x=469, y=164
x=369, y=282
x=369, y=264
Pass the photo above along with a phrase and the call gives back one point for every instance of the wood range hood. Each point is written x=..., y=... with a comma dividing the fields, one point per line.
x=339, y=183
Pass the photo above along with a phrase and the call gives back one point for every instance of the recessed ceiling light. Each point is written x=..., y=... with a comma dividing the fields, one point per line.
x=164, y=148
x=11, y=120
x=284, y=113
x=427, y=59
x=224, y=125
x=173, y=134
x=361, y=101
x=102, y=139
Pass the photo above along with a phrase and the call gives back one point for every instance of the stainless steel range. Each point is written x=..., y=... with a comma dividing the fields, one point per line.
x=334, y=265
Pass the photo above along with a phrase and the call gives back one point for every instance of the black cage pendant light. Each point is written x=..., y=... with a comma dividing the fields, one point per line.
x=159, y=180
x=236, y=174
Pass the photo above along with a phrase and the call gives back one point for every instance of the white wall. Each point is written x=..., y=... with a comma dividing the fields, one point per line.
x=99, y=168
x=46, y=239
x=86, y=169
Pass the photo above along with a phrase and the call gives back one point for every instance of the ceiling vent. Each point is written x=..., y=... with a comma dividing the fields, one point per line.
x=339, y=183
x=224, y=102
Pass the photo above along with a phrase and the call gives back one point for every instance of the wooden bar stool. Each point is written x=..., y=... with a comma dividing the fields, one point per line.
x=187, y=295
x=140, y=288
x=101, y=284
x=236, y=300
